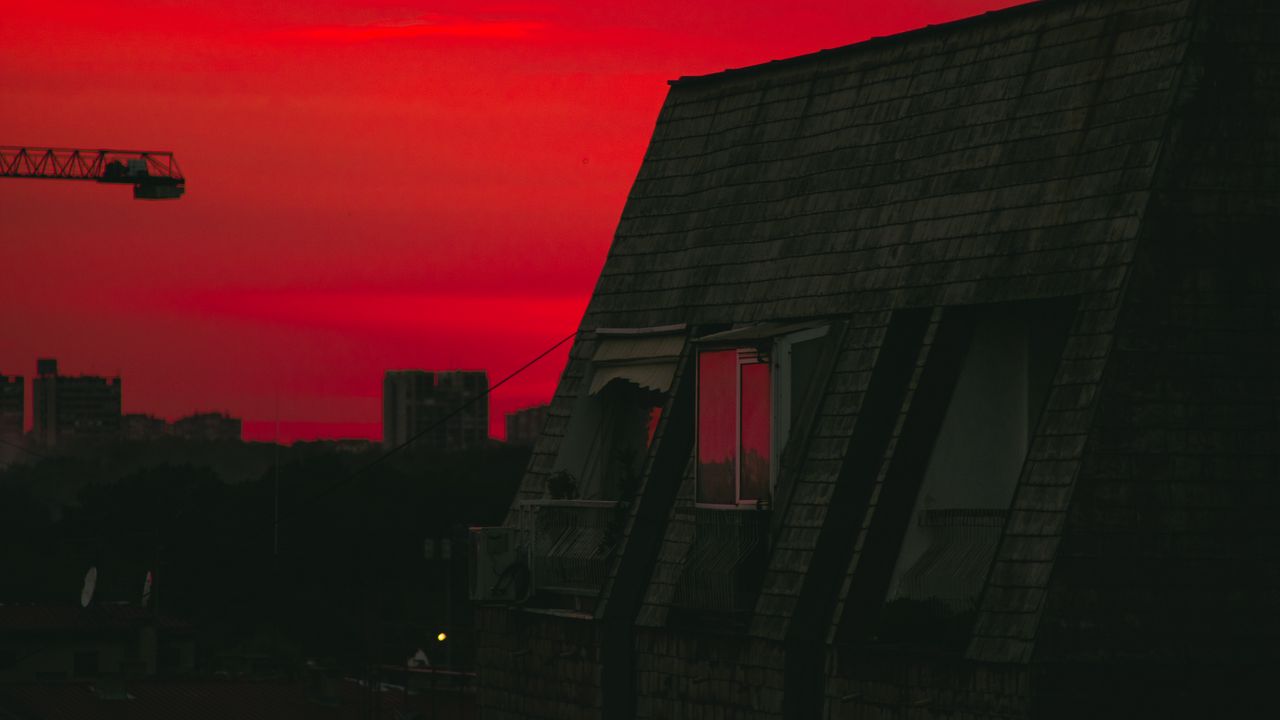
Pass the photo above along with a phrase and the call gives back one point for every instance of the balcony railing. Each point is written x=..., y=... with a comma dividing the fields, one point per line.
x=953, y=567
x=726, y=560
x=571, y=542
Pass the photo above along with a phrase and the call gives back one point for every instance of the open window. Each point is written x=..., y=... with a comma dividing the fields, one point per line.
x=613, y=423
x=574, y=529
x=950, y=523
x=751, y=383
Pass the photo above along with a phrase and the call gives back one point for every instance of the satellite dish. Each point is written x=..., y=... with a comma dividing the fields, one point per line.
x=146, y=590
x=90, y=582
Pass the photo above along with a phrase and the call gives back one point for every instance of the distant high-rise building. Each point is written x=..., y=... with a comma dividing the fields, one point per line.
x=66, y=408
x=451, y=408
x=403, y=393
x=524, y=426
x=209, y=427
x=12, y=390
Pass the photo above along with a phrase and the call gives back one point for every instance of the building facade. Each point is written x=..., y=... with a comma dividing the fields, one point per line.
x=524, y=425
x=12, y=416
x=931, y=377
x=208, y=427
x=68, y=409
x=141, y=426
x=442, y=410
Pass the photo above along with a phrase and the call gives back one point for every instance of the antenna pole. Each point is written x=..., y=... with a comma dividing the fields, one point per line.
x=155, y=575
x=275, y=522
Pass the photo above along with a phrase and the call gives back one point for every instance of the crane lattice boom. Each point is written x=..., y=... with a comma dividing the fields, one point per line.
x=153, y=175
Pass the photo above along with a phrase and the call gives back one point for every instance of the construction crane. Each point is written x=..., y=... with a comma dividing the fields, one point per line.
x=153, y=175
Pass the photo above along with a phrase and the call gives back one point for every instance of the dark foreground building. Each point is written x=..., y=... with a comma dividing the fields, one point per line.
x=963, y=348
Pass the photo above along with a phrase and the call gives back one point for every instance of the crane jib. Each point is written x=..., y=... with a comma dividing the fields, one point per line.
x=154, y=175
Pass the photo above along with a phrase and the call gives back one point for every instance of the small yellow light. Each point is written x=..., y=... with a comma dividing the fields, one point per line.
x=442, y=637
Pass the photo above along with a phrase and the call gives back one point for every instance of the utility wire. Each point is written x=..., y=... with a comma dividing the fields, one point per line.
x=24, y=449
x=425, y=431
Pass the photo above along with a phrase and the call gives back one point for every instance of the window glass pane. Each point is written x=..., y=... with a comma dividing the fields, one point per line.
x=717, y=403
x=754, y=467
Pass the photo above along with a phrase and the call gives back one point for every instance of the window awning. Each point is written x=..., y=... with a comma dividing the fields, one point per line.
x=760, y=331
x=646, y=359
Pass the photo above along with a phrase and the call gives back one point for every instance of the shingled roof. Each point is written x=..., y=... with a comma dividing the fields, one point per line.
x=904, y=171
x=1046, y=151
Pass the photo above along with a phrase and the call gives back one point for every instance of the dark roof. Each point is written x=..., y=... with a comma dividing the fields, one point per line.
x=1010, y=155
x=902, y=37
x=1120, y=153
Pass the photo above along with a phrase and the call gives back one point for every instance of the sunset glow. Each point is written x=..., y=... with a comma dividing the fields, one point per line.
x=371, y=184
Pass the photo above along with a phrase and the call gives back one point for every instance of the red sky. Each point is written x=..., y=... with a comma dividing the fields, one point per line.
x=372, y=184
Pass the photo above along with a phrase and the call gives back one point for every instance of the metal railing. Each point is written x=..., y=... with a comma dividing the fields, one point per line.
x=571, y=542
x=726, y=559
x=953, y=568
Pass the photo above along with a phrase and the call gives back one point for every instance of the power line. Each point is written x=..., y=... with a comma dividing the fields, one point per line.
x=426, y=431
x=24, y=449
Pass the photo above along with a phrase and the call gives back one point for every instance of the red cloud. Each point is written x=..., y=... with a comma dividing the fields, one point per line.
x=435, y=27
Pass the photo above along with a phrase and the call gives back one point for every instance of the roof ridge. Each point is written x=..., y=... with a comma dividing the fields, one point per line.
x=1029, y=6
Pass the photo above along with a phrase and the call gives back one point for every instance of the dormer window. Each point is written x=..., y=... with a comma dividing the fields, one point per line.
x=750, y=385
x=753, y=384
x=733, y=426
x=613, y=421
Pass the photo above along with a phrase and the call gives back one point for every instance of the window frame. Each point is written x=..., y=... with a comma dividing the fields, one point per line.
x=773, y=350
x=578, y=452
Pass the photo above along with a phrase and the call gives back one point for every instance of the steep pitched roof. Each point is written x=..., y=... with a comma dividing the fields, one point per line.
x=1010, y=156
x=1120, y=152
x=906, y=170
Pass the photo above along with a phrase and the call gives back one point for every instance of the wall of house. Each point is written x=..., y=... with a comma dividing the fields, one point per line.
x=541, y=665
x=888, y=685
x=538, y=665
x=692, y=674
x=1165, y=588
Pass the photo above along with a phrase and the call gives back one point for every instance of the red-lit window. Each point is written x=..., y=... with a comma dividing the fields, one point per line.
x=755, y=429
x=734, y=427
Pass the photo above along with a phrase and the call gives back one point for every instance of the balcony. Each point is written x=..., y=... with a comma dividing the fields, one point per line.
x=570, y=542
x=726, y=560
x=952, y=569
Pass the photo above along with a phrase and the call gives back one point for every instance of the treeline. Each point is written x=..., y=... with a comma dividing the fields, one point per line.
x=341, y=576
